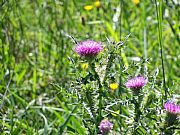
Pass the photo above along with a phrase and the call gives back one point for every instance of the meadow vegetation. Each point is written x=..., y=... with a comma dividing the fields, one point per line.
x=129, y=84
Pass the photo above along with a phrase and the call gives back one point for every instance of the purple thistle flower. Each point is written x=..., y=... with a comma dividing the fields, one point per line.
x=105, y=126
x=88, y=48
x=136, y=83
x=172, y=112
x=172, y=108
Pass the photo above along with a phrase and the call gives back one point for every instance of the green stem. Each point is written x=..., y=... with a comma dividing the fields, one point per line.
x=137, y=104
x=90, y=102
x=111, y=57
x=120, y=77
x=99, y=117
x=159, y=18
x=170, y=121
x=92, y=66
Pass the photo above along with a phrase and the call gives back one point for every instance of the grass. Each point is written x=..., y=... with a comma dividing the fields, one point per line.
x=44, y=90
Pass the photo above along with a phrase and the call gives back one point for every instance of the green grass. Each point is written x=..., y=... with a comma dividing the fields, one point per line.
x=41, y=79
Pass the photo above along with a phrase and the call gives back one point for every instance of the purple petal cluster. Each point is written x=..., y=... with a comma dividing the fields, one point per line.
x=136, y=82
x=172, y=108
x=105, y=126
x=88, y=48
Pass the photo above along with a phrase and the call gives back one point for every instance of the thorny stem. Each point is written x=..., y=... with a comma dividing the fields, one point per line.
x=111, y=57
x=170, y=121
x=90, y=100
x=99, y=117
x=137, y=104
x=92, y=66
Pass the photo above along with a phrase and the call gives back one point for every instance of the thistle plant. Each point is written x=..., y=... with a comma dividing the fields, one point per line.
x=136, y=84
x=172, y=111
x=101, y=103
x=88, y=50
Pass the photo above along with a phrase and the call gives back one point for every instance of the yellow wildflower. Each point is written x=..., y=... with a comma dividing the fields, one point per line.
x=84, y=66
x=88, y=7
x=136, y=2
x=97, y=4
x=113, y=86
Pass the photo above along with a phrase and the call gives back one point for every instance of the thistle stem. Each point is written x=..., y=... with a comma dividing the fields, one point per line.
x=137, y=104
x=99, y=117
x=169, y=122
x=111, y=57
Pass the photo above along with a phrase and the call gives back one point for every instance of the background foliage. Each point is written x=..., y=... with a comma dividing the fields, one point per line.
x=41, y=79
